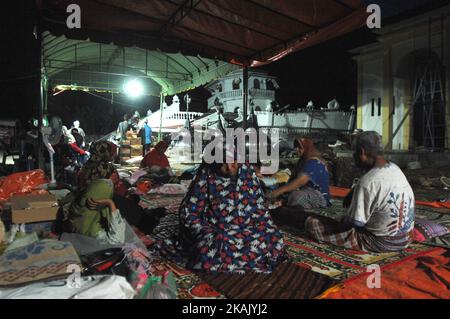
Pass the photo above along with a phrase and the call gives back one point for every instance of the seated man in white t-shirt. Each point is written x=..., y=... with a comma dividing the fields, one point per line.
x=380, y=217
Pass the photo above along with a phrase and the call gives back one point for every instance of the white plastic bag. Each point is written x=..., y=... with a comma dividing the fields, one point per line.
x=92, y=287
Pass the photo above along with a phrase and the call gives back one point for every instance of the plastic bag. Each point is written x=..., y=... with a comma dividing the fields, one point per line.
x=21, y=183
x=90, y=287
x=163, y=287
x=107, y=261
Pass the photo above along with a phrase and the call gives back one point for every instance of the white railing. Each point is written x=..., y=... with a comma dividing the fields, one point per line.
x=253, y=93
x=183, y=116
x=230, y=94
x=258, y=93
x=224, y=96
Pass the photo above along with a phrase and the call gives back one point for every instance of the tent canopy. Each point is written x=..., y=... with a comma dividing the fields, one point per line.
x=239, y=31
x=86, y=65
x=193, y=34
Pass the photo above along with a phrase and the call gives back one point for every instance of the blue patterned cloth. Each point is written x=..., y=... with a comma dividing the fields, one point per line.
x=224, y=226
x=318, y=176
x=38, y=261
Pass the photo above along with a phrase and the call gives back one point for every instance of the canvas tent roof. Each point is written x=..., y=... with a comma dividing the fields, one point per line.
x=240, y=32
x=88, y=65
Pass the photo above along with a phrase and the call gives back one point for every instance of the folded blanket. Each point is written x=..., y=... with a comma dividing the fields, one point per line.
x=39, y=261
x=169, y=189
x=135, y=176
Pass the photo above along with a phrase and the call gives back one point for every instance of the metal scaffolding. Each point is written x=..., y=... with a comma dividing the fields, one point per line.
x=428, y=105
x=429, y=100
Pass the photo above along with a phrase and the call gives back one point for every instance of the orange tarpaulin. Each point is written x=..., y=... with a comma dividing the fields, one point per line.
x=339, y=192
x=434, y=204
x=424, y=277
x=21, y=183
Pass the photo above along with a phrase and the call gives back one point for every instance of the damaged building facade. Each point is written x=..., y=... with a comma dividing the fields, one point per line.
x=402, y=89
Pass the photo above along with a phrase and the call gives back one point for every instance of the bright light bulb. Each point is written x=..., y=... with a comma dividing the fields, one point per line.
x=134, y=88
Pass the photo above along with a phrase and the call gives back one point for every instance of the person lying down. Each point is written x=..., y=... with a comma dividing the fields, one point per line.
x=224, y=226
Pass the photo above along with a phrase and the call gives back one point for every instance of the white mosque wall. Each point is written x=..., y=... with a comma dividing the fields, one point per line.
x=330, y=120
x=372, y=96
x=172, y=117
x=398, y=113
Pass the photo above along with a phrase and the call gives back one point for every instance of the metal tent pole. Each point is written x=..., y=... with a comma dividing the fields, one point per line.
x=161, y=102
x=245, y=97
x=40, y=155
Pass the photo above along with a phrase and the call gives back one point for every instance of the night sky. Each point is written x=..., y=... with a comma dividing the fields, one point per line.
x=319, y=73
x=19, y=60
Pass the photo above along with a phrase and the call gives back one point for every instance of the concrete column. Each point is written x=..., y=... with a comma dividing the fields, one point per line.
x=387, y=98
x=407, y=125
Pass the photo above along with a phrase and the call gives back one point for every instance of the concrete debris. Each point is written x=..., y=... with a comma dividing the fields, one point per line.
x=414, y=165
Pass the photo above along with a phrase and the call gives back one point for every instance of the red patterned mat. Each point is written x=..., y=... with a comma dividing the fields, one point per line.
x=342, y=264
x=337, y=263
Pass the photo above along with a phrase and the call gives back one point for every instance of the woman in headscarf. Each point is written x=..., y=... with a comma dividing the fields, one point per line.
x=93, y=213
x=224, y=226
x=310, y=189
x=99, y=165
x=156, y=160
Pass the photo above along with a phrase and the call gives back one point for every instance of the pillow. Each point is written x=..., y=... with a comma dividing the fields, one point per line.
x=426, y=229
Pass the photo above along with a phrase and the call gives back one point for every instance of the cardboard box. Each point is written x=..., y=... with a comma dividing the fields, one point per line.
x=135, y=141
x=136, y=152
x=125, y=142
x=137, y=147
x=125, y=151
x=38, y=227
x=33, y=208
